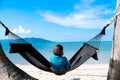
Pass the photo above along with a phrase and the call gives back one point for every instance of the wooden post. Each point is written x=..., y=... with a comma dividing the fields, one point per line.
x=114, y=66
x=8, y=71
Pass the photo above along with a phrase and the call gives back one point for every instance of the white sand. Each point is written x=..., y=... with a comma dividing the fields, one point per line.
x=84, y=72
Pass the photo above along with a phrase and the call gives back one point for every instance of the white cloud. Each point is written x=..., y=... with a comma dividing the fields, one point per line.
x=86, y=17
x=81, y=20
x=21, y=30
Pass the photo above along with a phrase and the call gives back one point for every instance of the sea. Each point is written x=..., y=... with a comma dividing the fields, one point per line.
x=70, y=48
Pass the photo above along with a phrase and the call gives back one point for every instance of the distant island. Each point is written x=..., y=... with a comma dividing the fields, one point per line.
x=39, y=40
x=33, y=39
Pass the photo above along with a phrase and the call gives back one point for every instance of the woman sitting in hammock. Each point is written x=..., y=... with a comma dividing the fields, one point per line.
x=59, y=64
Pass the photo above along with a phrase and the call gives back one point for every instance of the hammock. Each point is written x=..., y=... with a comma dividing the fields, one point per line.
x=27, y=51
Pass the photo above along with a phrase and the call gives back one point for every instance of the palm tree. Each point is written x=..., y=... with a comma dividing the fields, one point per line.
x=8, y=71
x=114, y=66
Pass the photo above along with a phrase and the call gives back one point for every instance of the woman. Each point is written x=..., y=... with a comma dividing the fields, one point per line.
x=59, y=63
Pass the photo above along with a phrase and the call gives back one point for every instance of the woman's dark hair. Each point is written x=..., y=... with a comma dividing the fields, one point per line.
x=59, y=50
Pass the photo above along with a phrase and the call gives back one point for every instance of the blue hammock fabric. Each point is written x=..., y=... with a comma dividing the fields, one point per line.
x=27, y=51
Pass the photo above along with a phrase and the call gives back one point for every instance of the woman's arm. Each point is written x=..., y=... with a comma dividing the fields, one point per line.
x=67, y=64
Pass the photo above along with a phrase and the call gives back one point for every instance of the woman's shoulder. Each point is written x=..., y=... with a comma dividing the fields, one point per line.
x=53, y=56
x=64, y=57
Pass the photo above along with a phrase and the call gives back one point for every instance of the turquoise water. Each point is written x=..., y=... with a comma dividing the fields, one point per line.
x=45, y=48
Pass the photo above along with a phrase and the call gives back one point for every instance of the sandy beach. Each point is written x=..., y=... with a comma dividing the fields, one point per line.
x=84, y=72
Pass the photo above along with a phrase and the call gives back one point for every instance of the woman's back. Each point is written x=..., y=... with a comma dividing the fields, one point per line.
x=59, y=63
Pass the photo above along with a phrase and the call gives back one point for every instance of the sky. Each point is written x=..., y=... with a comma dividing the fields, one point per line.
x=57, y=20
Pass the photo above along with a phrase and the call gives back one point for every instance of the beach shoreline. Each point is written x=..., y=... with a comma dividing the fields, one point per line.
x=84, y=72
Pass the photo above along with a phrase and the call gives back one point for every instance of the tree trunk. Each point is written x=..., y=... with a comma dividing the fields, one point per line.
x=114, y=66
x=8, y=71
